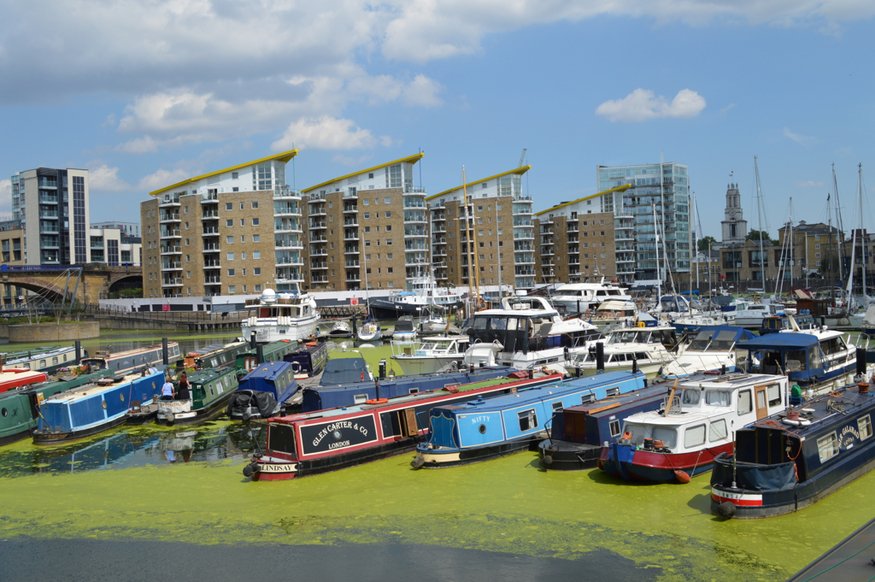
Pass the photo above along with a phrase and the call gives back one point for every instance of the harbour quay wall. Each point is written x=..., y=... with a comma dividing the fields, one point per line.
x=50, y=332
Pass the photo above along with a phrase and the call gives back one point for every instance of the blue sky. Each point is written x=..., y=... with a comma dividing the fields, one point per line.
x=144, y=94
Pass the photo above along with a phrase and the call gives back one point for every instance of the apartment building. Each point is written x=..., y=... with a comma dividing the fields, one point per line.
x=655, y=210
x=233, y=231
x=368, y=229
x=575, y=243
x=486, y=227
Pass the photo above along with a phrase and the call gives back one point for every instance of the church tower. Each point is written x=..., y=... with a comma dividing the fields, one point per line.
x=734, y=225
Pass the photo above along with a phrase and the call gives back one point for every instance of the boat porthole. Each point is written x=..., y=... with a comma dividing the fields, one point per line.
x=122, y=397
x=482, y=429
x=104, y=404
x=5, y=412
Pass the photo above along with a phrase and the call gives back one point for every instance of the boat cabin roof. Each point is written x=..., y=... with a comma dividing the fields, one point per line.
x=781, y=341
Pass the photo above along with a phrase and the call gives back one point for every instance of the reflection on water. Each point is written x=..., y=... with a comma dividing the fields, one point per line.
x=136, y=446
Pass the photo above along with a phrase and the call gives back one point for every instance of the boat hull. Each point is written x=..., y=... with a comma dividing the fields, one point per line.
x=631, y=464
x=555, y=455
x=437, y=458
x=270, y=331
x=50, y=438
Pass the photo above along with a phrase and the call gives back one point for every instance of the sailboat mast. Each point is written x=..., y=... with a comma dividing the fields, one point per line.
x=862, y=232
x=841, y=228
x=760, y=217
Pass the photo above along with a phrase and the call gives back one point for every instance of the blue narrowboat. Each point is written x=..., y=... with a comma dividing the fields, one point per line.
x=93, y=408
x=788, y=461
x=578, y=432
x=309, y=359
x=19, y=409
x=359, y=392
x=485, y=429
x=264, y=392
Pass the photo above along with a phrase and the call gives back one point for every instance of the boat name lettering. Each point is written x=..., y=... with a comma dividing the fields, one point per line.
x=848, y=435
x=337, y=426
x=339, y=445
x=479, y=419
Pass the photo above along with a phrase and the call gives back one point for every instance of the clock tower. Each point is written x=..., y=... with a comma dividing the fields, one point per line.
x=734, y=224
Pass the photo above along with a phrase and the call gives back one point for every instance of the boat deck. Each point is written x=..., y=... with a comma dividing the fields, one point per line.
x=850, y=560
x=90, y=389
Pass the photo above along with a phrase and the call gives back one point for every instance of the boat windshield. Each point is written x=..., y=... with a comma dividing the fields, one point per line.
x=666, y=434
x=631, y=336
x=281, y=439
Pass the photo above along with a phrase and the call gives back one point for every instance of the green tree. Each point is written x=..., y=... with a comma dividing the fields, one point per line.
x=705, y=243
x=754, y=235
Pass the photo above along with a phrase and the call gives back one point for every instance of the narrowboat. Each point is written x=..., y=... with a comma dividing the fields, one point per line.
x=307, y=444
x=308, y=360
x=699, y=422
x=487, y=428
x=359, y=391
x=711, y=348
x=19, y=409
x=16, y=379
x=210, y=389
x=215, y=356
x=264, y=392
x=344, y=370
x=817, y=359
x=287, y=316
x=788, y=461
x=44, y=359
x=129, y=360
x=94, y=408
x=578, y=432
x=272, y=352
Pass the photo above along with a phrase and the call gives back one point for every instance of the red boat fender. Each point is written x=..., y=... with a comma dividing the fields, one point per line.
x=682, y=476
x=519, y=374
x=377, y=401
x=627, y=435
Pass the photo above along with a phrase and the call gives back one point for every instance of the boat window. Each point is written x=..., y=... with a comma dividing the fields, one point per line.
x=691, y=396
x=745, y=402
x=281, y=438
x=528, y=419
x=827, y=447
x=761, y=399
x=557, y=406
x=480, y=322
x=414, y=391
x=614, y=428
x=774, y=394
x=613, y=391
x=723, y=341
x=667, y=435
x=587, y=398
x=701, y=341
x=742, y=357
x=717, y=431
x=360, y=398
x=815, y=359
x=795, y=361
x=864, y=427
x=511, y=323
x=499, y=323
x=694, y=436
x=637, y=432
x=642, y=356
x=718, y=398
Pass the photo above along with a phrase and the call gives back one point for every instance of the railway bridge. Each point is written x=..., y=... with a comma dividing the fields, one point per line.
x=70, y=283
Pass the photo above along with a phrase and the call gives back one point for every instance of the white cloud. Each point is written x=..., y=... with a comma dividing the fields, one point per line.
x=800, y=139
x=140, y=145
x=642, y=104
x=5, y=197
x=809, y=184
x=326, y=133
x=104, y=178
x=163, y=178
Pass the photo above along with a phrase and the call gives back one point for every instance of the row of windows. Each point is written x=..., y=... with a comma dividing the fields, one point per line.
x=231, y=273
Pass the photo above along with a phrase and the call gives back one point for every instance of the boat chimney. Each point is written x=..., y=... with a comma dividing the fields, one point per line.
x=252, y=342
x=634, y=364
x=861, y=362
x=164, y=353
x=78, y=345
x=382, y=368
x=600, y=357
x=863, y=387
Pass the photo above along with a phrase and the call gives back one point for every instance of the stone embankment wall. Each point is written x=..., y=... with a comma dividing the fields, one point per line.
x=50, y=332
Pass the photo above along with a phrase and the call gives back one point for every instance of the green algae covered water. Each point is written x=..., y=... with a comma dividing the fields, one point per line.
x=185, y=484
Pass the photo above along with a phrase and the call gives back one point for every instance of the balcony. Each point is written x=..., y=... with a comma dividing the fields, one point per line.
x=319, y=253
x=352, y=263
x=170, y=233
x=317, y=210
x=211, y=231
x=48, y=213
x=211, y=247
x=350, y=208
x=170, y=249
x=350, y=236
x=350, y=221
x=352, y=278
x=172, y=282
x=285, y=192
x=352, y=250
x=212, y=264
x=168, y=217
x=317, y=225
x=47, y=199
x=316, y=280
x=211, y=214
x=171, y=266
x=168, y=200
x=319, y=266
x=213, y=280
